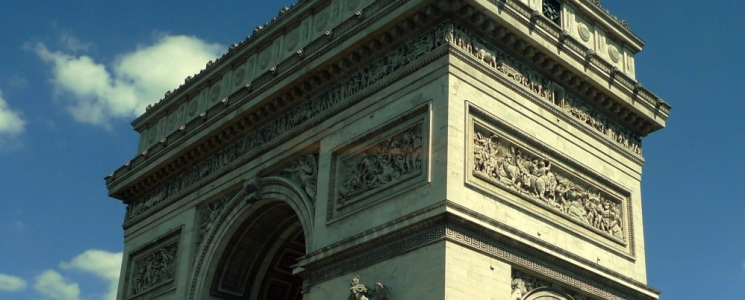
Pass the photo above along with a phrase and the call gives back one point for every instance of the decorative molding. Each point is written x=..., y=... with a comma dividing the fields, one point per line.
x=462, y=231
x=360, y=292
x=542, y=87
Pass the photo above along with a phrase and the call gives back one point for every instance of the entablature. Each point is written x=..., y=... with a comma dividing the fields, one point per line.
x=309, y=72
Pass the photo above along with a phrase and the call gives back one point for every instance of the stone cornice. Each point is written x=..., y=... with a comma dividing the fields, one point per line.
x=262, y=37
x=247, y=112
x=610, y=23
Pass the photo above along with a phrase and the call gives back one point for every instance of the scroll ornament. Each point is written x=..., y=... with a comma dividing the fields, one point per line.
x=537, y=178
x=360, y=292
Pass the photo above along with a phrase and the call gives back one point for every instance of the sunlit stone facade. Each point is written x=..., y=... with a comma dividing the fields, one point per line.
x=398, y=149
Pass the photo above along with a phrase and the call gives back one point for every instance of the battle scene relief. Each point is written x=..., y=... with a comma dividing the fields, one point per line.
x=392, y=160
x=539, y=179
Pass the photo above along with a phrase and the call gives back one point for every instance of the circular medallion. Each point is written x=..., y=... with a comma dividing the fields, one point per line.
x=193, y=106
x=584, y=32
x=238, y=76
x=264, y=59
x=215, y=92
x=291, y=40
x=172, y=119
x=321, y=20
x=352, y=4
x=152, y=134
x=613, y=53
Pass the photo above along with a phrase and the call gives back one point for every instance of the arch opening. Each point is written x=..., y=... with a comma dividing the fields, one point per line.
x=257, y=261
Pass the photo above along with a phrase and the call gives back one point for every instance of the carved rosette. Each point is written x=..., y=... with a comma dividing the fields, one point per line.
x=504, y=163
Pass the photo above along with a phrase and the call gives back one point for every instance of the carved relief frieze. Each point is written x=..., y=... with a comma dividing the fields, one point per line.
x=542, y=87
x=383, y=164
x=505, y=162
x=152, y=269
x=305, y=113
x=380, y=164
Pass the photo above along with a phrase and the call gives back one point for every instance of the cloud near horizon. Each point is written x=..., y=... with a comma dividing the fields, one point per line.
x=53, y=285
x=10, y=283
x=104, y=265
x=95, y=93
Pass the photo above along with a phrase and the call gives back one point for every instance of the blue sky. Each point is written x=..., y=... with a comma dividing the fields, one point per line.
x=73, y=75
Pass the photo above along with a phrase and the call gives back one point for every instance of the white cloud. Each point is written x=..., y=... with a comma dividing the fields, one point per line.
x=11, y=283
x=97, y=93
x=74, y=44
x=11, y=122
x=105, y=265
x=52, y=285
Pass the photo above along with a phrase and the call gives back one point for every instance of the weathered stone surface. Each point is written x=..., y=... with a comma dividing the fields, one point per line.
x=454, y=145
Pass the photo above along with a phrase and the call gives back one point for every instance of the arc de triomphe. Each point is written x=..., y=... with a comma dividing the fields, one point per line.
x=398, y=149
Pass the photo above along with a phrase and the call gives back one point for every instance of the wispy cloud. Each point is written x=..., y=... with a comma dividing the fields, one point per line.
x=74, y=44
x=10, y=283
x=52, y=285
x=104, y=265
x=96, y=93
x=11, y=122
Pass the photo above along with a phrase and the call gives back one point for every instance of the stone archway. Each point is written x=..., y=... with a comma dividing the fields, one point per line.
x=257, y=262
x=255, y=240
x=546, y=294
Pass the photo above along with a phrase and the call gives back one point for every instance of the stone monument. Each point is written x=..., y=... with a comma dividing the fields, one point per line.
x=398, y=149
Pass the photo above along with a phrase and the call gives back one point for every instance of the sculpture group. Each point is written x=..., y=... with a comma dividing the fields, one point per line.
x=382, y=164
x=538, y=179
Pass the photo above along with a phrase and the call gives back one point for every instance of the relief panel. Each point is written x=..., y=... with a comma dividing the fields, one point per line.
x=152, y=269
x=381, y=164
x=501, y=158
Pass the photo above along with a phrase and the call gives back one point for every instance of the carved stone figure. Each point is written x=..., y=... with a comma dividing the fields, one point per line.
x=360, y=292
x=382, y=164
x=304, y=171
x=536, y=177
x=208, y=215
x=154, y=269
